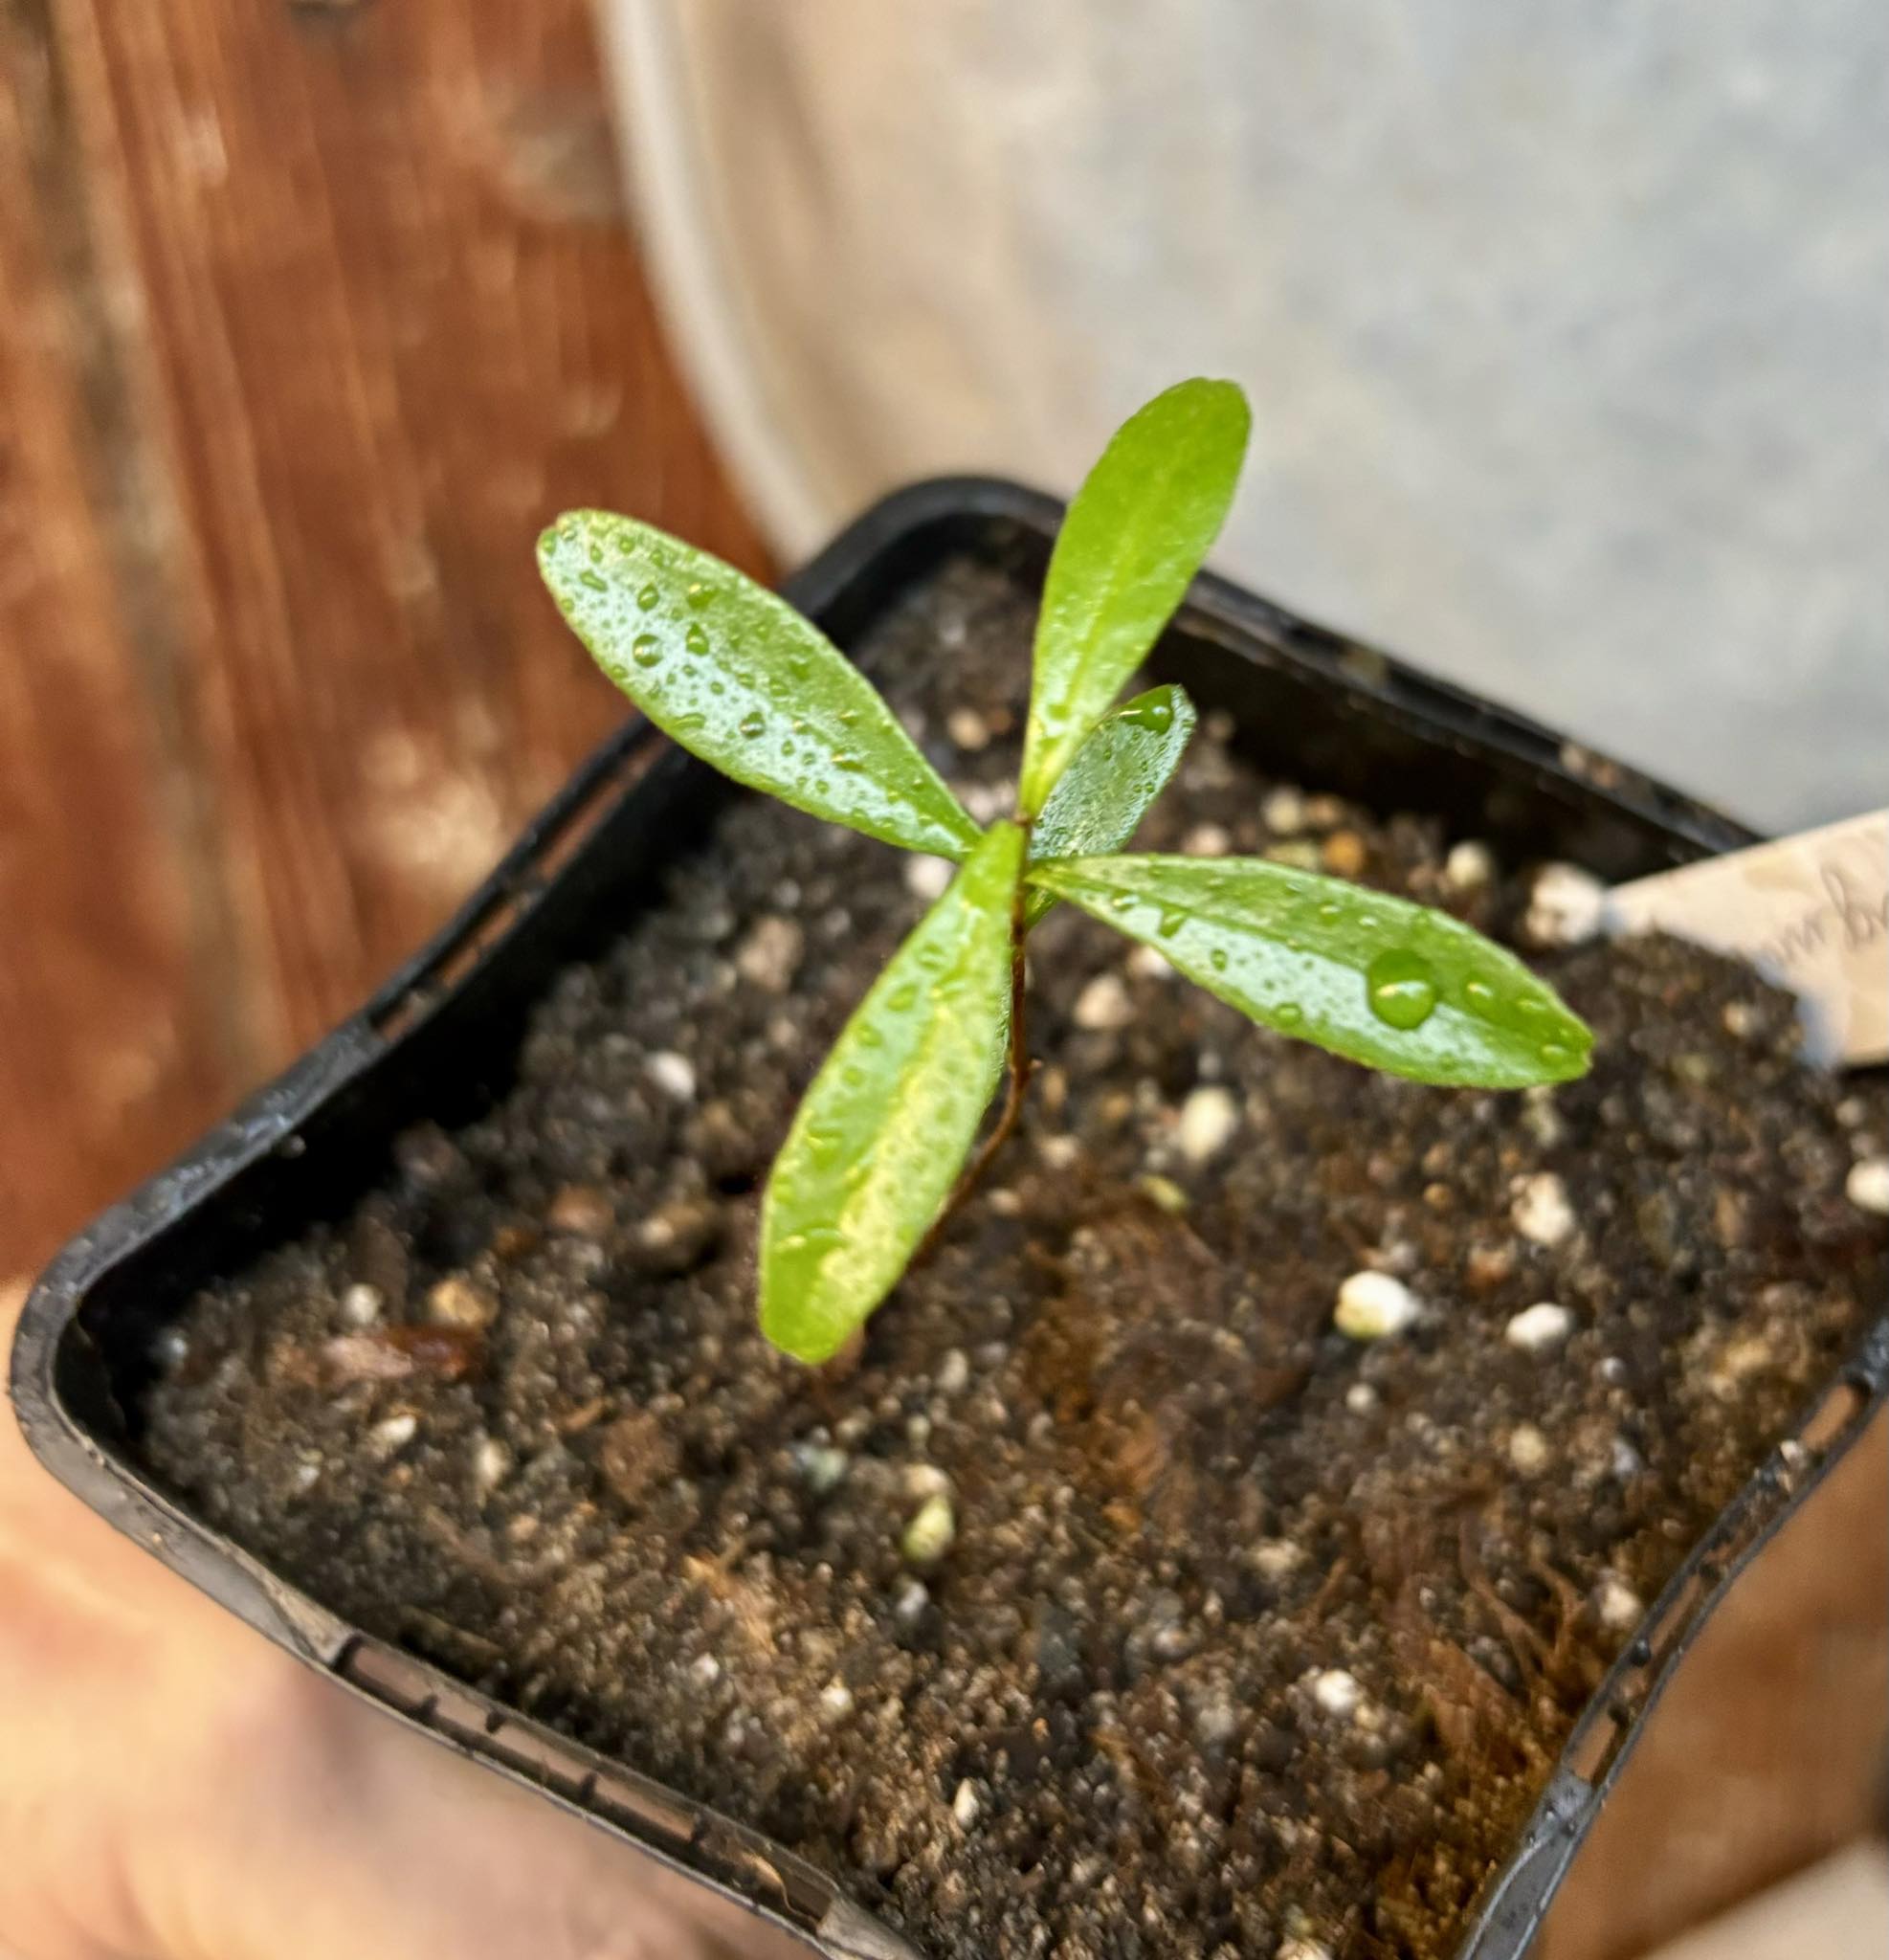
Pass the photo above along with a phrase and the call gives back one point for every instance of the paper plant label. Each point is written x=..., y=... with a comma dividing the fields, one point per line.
x=1811, y=912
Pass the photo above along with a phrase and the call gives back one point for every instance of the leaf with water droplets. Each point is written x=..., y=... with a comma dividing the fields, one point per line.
x=735, y=675
x=1128, y=549
x=1120, y=770
x=879, y=1139
x=1395, y=985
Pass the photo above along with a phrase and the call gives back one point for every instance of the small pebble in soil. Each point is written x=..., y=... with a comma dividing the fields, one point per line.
x=1301, y=1949
x=1528, y=1448
x=1145, y=964
x=928, y=1536
x=769, y=956
x=967, y=728
x=965, y=1805
x=675, y=1236
x=1373, y=1306
x=1564, y=905
x=456, y=1303
x=1209, y=1119
x=361, y=1305
x=582, y=1211
x=1469, y=867
x=1867, y=1185
x=1060, y=1152
x=705, y=1669
x=492, y=1464
x=1617, y=1605
x=1540, y=1118
x=171, y=1347
x=1343, y=854
x=909, y=1603
x=1104, y=1004
x=1540, y=1328
x=672, y=1074
x=1361, y=1398
x=836, y=1699
x=387, y=1439
x=1164, y=1191
x=1207, y=840
x=926, y=878
x=1274, y=1558
x=821, y=1466
x=1541, y=1209
x=1338, y=1693
x=953, y=1375
x=1283, y=810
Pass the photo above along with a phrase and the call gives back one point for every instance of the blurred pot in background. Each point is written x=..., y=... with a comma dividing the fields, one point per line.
x=1562, y=330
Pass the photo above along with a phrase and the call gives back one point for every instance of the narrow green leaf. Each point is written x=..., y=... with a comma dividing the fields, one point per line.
x=1127, y=551
x=738, y=678
x=879, y=1137
x=1398, y=986
x=1122, y=766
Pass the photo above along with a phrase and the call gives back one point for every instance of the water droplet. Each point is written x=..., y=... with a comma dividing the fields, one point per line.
x=695, y=640
x=646, y=650
x=1122, y=901
x=596, y=582
x=752, y=724
x=1331, y=911
x=1170, y=923
x=1479, y=994
x=717, y=687
x=1401, y=989
x=1217, y=959
x=901, y=1000
x=597, y=554
x=649, y=598
x=698, y=597
x=1289, y=1013
x=1553, y=1054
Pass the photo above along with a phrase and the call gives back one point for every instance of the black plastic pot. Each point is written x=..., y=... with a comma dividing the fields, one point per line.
x=438, y=1041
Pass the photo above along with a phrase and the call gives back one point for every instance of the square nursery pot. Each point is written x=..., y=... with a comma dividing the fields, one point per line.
x=445, y=1028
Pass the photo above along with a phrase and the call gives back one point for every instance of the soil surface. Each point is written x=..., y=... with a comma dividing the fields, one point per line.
x=1221, y=1634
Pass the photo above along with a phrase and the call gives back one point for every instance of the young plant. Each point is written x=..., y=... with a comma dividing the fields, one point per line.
x=877, y=1151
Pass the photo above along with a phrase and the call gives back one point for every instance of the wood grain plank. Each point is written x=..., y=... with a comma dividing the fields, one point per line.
x=115, y=1042
x=398, y=321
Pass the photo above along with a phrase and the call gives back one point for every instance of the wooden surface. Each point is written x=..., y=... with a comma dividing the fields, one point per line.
x=311, y=315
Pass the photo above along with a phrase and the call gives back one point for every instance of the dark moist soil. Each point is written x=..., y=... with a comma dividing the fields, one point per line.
x=1252, y=1639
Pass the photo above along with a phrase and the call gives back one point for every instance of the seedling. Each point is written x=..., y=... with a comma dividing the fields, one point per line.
x=876, y=1153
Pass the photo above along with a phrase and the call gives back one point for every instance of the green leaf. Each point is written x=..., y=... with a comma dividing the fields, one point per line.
x=738, y=676
x=1398, y=986
x=879, y=1137
x=1120, y=770
x=1127, y=553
